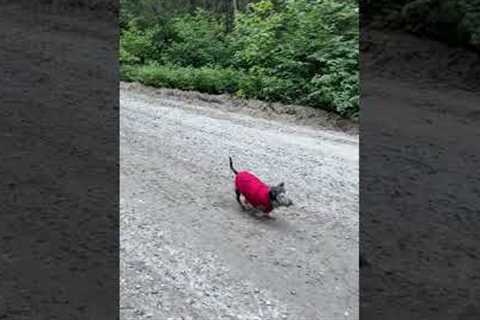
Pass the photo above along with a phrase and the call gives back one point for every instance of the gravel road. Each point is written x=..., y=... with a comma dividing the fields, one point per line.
x=189, y=252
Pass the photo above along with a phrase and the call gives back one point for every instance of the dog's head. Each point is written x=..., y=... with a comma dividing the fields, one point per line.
x=278, y=196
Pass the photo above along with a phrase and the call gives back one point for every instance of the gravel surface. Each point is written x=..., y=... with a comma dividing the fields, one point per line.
x=189, y=252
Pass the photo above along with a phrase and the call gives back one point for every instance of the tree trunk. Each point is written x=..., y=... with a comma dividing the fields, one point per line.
x=193, y=6
x=229, y=15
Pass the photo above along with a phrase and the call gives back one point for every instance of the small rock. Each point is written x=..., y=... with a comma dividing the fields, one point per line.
x=293, y=292
x=346, y=313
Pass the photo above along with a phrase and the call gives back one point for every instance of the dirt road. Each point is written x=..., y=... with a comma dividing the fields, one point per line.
x=187, y=250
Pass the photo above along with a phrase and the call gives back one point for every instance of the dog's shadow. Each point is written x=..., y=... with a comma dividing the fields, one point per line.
x=276, y=222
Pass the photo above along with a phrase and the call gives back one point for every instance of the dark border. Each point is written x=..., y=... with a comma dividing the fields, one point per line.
x=59, y=160
x=419, y=176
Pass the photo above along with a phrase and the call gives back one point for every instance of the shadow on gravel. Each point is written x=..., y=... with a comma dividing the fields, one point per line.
x=278, y=223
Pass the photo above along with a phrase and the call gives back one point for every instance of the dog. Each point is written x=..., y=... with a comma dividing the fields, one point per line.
x=257, y=193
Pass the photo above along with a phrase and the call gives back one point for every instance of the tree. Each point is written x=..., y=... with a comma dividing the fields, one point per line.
x=229, y=7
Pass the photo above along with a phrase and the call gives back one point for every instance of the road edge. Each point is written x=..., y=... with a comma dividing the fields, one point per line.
x=293, y=114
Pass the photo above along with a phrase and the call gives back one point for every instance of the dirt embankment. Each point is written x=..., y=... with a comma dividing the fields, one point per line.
x=294, y=114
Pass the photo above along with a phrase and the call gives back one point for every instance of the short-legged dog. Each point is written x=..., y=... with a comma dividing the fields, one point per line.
x=258, y=194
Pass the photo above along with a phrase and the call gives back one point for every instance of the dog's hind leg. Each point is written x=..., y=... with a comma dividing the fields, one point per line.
x=237, y=193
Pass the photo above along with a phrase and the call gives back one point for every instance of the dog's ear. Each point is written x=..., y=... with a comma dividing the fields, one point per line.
x=273, y=193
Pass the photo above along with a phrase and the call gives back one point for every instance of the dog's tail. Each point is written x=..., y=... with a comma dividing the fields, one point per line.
x=231, y=165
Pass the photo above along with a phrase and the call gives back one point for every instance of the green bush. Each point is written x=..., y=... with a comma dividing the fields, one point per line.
x=311, y=46
x=197, y=40
x=338, y=86
x=215, y=80
x=208, y=80
x=302, y=51
x=259, y=84
x=470, y=22
x=138, y=46
x=453, y=21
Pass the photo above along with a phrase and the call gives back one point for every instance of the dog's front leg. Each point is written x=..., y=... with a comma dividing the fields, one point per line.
x=268, y=216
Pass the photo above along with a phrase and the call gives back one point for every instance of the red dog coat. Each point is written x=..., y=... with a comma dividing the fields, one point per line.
x=254, y=190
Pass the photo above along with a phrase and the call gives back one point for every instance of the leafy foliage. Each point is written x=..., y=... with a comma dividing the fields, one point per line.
x=212, y=80
x=197, y=40
x=137, y=46
x=302, y=51
x=453, y=21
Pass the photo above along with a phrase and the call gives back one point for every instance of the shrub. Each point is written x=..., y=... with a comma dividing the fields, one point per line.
x=205, y=79
x=209, y=80
x=138, y=46
x=453, y=21
x=302, y=51
x=338, y=86
x=197, y=40
x=308, y=51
